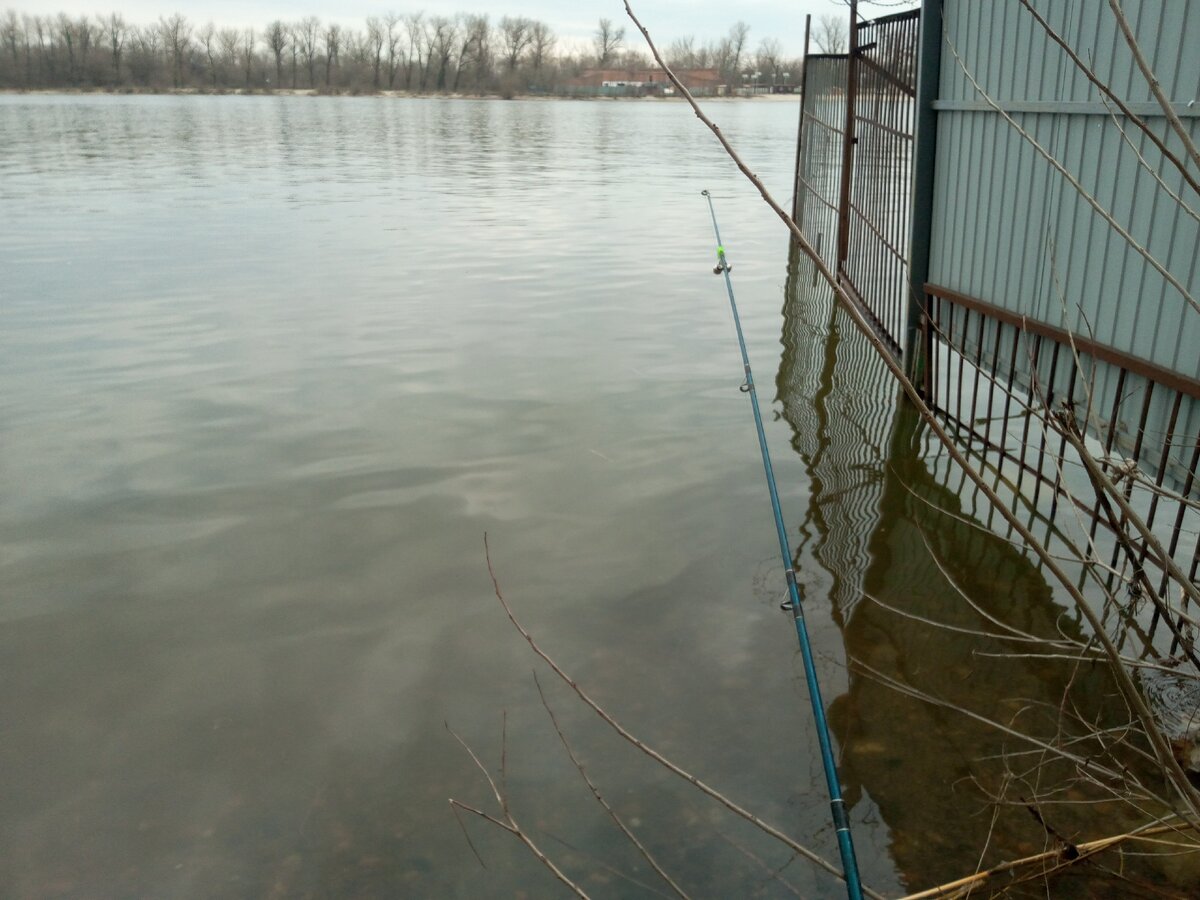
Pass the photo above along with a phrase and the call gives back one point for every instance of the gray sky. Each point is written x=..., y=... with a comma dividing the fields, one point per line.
x=573, y=22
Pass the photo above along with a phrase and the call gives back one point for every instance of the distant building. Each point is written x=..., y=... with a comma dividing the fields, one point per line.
x=704, y=82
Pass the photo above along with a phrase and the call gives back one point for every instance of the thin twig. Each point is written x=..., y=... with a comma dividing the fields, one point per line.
x=1014, y=633
x=1082, y=762
x=1152, y=80
x=510, y=823
x=455, y=807
x=616, y=726
x=633, y=839
x=607, y=867
x=1174, y=772
x=1111, y=94
x=775, y=873
x=973, y=632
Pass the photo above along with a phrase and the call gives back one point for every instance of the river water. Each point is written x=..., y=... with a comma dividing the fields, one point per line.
x=271, y=367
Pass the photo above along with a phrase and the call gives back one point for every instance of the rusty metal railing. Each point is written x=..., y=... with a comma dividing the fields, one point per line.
x=1017, y=391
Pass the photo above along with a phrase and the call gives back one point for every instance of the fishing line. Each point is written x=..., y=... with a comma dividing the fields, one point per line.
x=837, y=805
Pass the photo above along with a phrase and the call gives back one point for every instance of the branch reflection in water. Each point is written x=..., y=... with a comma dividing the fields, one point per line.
x=958, y=647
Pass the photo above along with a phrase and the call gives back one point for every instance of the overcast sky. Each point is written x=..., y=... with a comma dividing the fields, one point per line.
x=574, y=22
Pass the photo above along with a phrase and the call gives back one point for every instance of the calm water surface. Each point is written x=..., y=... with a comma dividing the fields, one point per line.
x=269, y=370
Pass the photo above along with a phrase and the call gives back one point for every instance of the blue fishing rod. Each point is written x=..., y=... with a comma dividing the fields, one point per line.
x=841, y=821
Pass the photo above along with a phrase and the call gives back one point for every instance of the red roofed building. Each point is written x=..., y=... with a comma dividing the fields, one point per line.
x=645, y=81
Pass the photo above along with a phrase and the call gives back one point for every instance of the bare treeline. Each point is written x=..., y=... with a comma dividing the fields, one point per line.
x=414, y=52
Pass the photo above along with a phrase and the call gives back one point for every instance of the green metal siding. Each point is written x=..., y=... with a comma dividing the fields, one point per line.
x=1012, y=231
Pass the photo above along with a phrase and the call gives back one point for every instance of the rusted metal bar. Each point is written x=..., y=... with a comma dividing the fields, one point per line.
x=931, y=323
x=1177, y=530
x=978, y=360
x=870, y=316
x=950, y=363
x=893, y=17
x=1165, y=377
x=1062, y=444
x=1049, y=411
x=814, y=118
x=987, y=433
x=1128, y=489
x=1163, y=461
x=816, y=196
x=1008, y=388
x=1034, y=358
x=1110, y=438
x=958, y=398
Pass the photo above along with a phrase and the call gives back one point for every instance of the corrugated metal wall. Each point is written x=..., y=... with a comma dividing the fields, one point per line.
x=1012, y=231
x=1003, y=215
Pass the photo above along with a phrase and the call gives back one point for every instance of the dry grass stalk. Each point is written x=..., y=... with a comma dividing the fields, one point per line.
x=1057, y=859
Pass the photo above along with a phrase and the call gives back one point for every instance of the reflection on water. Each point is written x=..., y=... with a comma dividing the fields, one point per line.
x=839, y=400
x=269, y=368
x=905, y=552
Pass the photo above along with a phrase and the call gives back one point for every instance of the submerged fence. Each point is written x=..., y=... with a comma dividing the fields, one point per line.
x=1006, y=293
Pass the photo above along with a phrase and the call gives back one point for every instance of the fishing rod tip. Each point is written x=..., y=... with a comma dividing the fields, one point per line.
x=704, y=193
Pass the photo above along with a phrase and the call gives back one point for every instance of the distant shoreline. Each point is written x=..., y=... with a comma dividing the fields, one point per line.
x=385, y=95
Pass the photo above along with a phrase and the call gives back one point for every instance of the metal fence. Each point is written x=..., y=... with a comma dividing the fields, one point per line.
x=1054, y=348
x=852, y=182
x=1027, y=399
x=822, y=137
x=875, y=200
x=1049, y=404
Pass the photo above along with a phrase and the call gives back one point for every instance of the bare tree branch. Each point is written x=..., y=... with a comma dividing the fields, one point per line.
x=509, y=823
x=774, y=872
x=1187, y=794
x=646, y=855
x=650, y=751
x=1084, y=764
x=1108, y=92
x=1152, y=80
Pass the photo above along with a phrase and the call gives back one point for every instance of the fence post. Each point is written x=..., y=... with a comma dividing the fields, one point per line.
x=849, y=139
x=918, y=333
x=797, y=206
